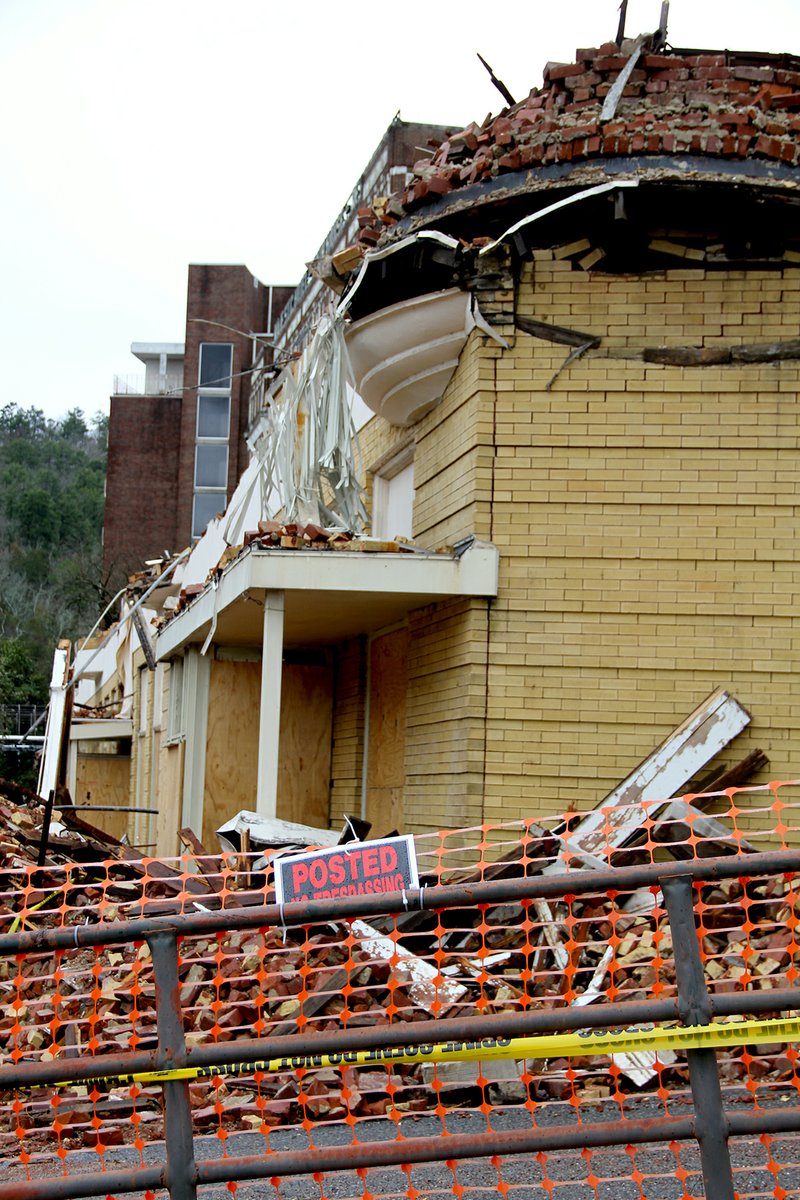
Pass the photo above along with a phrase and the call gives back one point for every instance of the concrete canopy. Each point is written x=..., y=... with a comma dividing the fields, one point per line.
x=329, y=596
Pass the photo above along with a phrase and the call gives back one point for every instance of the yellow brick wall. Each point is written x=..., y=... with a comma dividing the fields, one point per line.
x=445, y=716
x=645, y=517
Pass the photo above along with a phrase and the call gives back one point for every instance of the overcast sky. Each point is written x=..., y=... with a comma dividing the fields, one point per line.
x=141, y=135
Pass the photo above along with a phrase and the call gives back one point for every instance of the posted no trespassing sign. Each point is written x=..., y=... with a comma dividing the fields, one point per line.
x=355, y=869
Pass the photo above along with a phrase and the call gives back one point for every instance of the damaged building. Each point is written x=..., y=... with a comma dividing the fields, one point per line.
x=575, y=332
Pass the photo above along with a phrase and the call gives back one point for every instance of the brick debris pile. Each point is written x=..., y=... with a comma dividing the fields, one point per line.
x=416, y=966
x=713, y=104
x=292, y=535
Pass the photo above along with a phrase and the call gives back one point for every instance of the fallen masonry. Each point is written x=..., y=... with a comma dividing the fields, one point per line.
x=416, y=966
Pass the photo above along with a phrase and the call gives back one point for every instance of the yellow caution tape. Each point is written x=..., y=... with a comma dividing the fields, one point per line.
x=776, y=1030
x=19, y=920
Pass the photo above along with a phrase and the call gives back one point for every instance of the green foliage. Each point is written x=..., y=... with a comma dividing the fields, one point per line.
x=52, y=475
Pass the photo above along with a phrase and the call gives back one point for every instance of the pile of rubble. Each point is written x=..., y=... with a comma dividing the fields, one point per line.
x=292, y=535
x=416, y=966
x=617, y=102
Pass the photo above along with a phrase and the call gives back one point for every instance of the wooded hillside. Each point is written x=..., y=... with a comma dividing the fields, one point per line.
x=52, y=475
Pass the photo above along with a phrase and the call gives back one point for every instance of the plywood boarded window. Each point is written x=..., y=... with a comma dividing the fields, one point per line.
x=386, y=770
x=232, y=743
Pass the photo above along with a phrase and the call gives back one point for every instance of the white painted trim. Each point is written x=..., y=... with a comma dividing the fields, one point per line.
x=575, y=198
x=196, y=678
x=72, y=769
x=434, y=577
x=269, y=717
x=99, y=729
x=48, y=773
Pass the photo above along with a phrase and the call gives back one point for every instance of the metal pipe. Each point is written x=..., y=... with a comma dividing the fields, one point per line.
x=379, y=1037
x=180, y=1168
x=508, y=1024
x=695, y=1009
x=120, y=808
x=312, y=912
x=437, y=1148
x=75, y=1187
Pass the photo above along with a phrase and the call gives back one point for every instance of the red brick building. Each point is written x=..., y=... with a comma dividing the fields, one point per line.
x=176, y=443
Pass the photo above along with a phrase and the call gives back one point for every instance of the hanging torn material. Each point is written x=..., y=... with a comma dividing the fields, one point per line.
x=306, y=443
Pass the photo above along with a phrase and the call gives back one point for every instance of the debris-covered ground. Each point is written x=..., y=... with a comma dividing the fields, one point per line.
x=416, y=966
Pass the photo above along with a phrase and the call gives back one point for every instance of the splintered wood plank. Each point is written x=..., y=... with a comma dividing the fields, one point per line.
x=704, y=733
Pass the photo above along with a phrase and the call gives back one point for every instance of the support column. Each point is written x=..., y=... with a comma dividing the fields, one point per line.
x=269, y=720
x=196, y=679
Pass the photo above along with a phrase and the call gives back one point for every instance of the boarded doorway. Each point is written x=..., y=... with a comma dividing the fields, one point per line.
x=386, y=760
x=232, y=743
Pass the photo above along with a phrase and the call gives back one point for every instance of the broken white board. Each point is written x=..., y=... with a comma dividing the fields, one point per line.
x=272, y=832
x=421, y=979
x=703, y=735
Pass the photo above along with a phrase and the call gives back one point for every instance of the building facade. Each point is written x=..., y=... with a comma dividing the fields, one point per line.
x=580, y=338
x=176, y=440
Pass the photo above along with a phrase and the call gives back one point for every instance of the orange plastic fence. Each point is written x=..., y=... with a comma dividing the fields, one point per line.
x=415, y=966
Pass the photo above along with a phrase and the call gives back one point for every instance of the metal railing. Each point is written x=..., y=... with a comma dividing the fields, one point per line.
x=710, y=1124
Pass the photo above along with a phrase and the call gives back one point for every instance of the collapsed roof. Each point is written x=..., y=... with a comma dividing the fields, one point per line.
x=711, y=138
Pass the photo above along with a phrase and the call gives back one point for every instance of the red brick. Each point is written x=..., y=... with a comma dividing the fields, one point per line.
x=705, y=60
x=733, y=86
x=674, y=73
x=785, y=102
x=510, y=162
x=555, y=71
x=790, y=77
x=439, y=185
x=713, y=73
x=587, y=79
x=659, y=62
x=771, y=147
x=656, y=85
x=613, y=63
x=754, y=74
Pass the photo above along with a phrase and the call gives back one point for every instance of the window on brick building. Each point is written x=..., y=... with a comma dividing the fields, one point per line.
x=393, y=497
x=211, y=465
x=215, y=376
x=216, y=360
x=213, y=416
